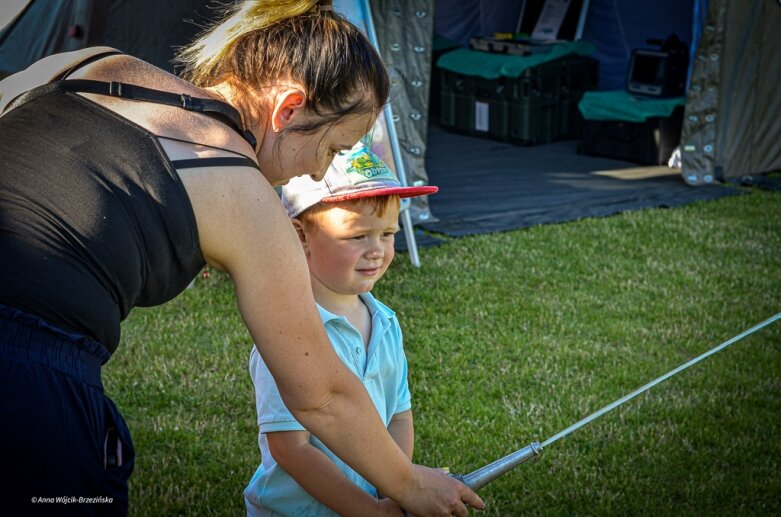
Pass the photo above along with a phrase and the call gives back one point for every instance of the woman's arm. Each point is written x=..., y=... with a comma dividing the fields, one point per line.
x=322, y=479
x=244, y=230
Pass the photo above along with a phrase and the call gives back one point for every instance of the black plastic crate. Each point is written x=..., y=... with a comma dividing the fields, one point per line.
x=543, y=80
x=539, y=106
x=579, y=75
x=648, y=143
x=474, y=105
x=533, y=120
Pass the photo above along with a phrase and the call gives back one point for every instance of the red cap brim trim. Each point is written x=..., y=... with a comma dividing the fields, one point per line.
x=391, y=191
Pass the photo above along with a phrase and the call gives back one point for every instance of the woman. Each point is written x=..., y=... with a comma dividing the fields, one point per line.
x=119, y=182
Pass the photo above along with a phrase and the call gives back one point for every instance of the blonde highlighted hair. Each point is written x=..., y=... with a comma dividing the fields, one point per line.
x=261, y=43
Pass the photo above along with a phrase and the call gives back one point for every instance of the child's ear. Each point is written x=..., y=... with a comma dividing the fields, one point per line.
x=289, y=104
x=299, y=226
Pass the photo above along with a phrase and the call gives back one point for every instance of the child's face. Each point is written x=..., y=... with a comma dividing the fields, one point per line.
x=350, y=249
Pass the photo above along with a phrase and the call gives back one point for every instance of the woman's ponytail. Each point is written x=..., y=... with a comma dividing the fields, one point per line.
x=201, y=60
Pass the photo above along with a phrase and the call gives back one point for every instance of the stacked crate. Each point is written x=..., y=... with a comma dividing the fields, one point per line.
x=623, y=126
x=538, y=106
x=533, y=105
x=579, y=75
x=473, y=105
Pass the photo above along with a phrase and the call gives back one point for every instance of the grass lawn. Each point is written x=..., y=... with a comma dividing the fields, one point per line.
x=512, y=337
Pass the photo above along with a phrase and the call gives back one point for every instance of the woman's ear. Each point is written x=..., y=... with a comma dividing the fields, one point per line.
x=299, y=226
x=289, y=105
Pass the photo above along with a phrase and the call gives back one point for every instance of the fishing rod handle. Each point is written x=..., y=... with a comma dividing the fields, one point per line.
x=484, y=475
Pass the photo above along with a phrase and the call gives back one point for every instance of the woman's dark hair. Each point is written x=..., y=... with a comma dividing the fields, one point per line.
x=264, y=43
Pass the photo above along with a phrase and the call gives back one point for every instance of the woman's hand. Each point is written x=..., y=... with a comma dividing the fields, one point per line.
x=437, y=494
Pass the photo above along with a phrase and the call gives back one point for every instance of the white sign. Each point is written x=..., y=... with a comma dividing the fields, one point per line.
x=551, y=17
x=481, y=116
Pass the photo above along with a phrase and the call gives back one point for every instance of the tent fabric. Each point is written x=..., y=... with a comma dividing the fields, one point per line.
x=489, y=186
x=405, y=34
x=621, y=105
x=617, y=27
x=458, y=20
x=59, y=26
x=731, y=122
x=494, y=66
x=148, y=29
x=698, y=23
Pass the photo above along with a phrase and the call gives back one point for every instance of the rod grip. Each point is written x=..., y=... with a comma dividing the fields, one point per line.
x=484, y=475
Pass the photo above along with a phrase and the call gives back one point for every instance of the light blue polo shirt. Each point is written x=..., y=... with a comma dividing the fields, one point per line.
x=383, y=371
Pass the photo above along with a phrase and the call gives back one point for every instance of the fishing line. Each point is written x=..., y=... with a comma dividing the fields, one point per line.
x=488, y=473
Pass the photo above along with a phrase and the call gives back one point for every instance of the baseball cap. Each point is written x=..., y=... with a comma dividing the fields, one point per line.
x=358, y=173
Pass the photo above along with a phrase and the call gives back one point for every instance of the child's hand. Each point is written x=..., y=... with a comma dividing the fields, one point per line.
x=387, y=508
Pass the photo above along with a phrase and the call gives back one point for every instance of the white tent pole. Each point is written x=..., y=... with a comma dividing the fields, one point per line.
x=406, y=218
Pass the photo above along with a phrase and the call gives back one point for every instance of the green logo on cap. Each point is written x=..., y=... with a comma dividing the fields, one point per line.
x=369, y=166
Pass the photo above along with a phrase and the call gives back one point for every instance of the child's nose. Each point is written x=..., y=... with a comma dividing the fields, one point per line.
x=375, y=249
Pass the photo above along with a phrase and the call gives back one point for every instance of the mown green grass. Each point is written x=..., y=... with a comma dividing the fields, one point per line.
x=512, y=337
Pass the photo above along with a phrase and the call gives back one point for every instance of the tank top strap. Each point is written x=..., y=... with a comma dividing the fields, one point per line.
x=217, y=161
x=218, y=110
x=86, y=61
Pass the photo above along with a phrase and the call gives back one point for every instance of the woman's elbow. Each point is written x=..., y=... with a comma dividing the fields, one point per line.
x=317, y=392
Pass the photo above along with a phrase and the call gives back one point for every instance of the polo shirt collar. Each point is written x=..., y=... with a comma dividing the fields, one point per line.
x=375, y=309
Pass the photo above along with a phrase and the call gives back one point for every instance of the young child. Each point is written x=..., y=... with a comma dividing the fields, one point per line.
x=346, y=224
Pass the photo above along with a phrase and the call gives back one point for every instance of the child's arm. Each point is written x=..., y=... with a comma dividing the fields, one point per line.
x=402, y=430
x=322, y=479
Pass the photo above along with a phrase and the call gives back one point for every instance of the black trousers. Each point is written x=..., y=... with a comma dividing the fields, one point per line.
x=64, y=447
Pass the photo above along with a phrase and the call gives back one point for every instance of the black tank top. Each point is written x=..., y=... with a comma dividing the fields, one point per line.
x=94, y=219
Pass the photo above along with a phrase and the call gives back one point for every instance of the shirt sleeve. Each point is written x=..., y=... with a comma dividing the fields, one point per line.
x=273, y=415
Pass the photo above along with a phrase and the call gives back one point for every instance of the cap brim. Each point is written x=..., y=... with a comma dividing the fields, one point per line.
x=390, y=191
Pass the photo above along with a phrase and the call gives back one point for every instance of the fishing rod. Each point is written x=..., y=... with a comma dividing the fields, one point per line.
x=484, y=475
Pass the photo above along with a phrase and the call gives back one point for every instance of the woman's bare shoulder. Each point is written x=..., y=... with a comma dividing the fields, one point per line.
x=44, y=71
x=165, y=121
x=132, y=70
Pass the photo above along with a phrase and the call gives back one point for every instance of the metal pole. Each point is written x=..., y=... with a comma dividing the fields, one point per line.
x=406, y=218
x=581, y=20
x=656, y=381
x=484, y=475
